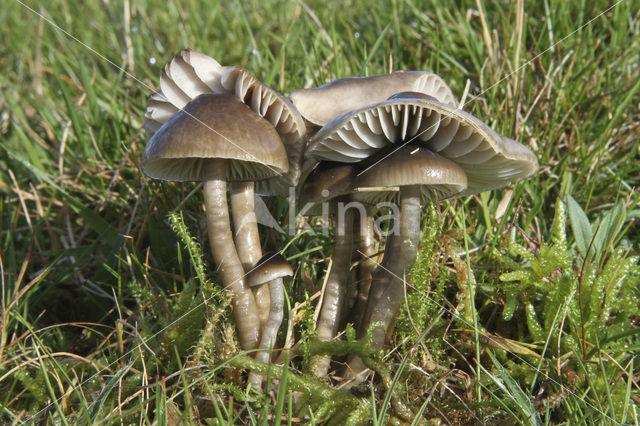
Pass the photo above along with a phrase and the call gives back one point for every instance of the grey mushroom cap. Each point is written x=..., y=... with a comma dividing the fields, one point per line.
x=190, y=74
x=322, y=104
x=268, y=268
x=489, y=160
x=437, y=177
x=186, y=76
x=215, y=126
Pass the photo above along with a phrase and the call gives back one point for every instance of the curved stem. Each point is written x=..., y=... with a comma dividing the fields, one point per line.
x=388, y=305
x=225, y=255
x=387, y=288
x=247, y=238
x=336, y=287
x=270, y=330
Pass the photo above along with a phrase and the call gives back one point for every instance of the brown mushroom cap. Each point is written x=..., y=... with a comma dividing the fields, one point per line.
x=280, y=112
x=266, y=102
x=269, y=268
x=328, y=180
x=437, y=177
x=215, y=126
x=489, y=159
x=322, y=104
x=190, y=73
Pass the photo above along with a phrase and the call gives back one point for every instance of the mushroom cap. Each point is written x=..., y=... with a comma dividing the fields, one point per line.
x=265, y=101
x=489, y=159
x=186, y=76
x=280, y=112
x=215, y=126
x=437, y=177
x=190, y=74
x=328, y=180
x=268, y=268
x=159, y=111
x=322, y=104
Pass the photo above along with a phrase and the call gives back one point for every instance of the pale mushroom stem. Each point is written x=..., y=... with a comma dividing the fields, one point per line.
x=270, y=330
x=225, y=254
x=247, y=239
x=335, y=288
x=387, y=288
x=367, y=249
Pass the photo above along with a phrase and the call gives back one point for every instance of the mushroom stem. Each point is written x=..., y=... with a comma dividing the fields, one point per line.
x=381, y=277
x=225, y=254
x=247, y=238
x=270, y=330
x=387, y=288
x=388, y=304
x=336, y=287
x=367, y=249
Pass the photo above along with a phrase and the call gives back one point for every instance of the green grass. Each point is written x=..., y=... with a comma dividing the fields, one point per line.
x=525, y=309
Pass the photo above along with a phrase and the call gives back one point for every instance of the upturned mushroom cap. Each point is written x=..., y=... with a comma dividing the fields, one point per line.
x=265, y=101
x=489, y=159
x=322, y=104
x=215, y=126
x=280, y=112
x=189, y=74
x=437, y=177
x=269, y=268
x=186, y=76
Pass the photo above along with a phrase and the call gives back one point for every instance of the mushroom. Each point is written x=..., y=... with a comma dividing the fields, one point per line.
x=332, y=183
x=186, y=76
x=278, y=110
x=270, y=269
x=320, y=105
x=411, y=176
x=380, y=132
x=217, y=138
x=490, y=160
x=189, y=74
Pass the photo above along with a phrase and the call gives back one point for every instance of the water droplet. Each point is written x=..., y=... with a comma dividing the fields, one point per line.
x=357, y=34
x=152, y=60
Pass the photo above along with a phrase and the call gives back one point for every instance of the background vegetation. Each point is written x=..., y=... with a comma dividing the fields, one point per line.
x=525, y=301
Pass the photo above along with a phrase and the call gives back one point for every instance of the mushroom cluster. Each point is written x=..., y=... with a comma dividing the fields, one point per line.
x=395, y=140
x=220, y=125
